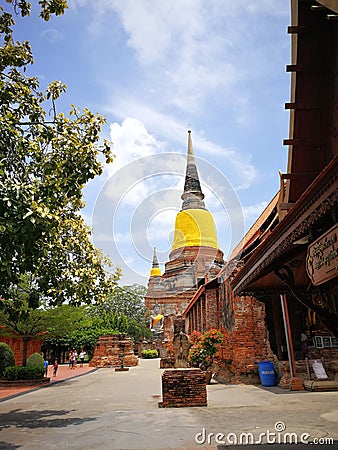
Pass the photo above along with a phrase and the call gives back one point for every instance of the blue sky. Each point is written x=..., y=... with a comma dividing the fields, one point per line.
x=156, y=69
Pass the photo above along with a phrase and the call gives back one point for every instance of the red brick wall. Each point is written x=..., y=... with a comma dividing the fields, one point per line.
x=16, y=344
x=246, y=343
x=242, y=320
x=212, y=309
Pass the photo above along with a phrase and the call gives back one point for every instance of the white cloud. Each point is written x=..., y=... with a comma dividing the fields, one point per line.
x=189, y=54
x=160, y=230
x=173, y=45
x=78, y=3
x=193, y=51
x=129, y=260
x=52, y=35
x=121, y=238
x=132, y=145
x=86, y=217
x=133, y=141
x=153, y=27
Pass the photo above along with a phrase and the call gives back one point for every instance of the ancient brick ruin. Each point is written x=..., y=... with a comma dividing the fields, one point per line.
x=246, y=343
x=113, y=351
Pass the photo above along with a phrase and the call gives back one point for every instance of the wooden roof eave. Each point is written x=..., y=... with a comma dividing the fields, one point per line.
x=330, y=4
x=313, y=204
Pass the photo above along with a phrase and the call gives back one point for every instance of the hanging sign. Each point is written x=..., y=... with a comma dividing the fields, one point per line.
x=322, y=257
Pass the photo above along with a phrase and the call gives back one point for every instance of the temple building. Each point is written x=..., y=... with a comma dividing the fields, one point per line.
x=195, y=253
x=277, y=297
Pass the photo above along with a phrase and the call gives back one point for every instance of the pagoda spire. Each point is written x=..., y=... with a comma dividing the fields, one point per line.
x=155, y=269
x=192, y=195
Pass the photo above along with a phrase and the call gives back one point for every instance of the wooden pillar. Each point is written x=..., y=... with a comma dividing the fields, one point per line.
x=288, y=335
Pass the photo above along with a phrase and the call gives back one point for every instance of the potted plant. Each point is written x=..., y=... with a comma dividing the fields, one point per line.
x=168, y=345
x=203, y=349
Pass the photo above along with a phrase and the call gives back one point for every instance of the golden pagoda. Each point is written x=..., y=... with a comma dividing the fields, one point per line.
x=195, y=253
x=155, y=269
x=194, y=226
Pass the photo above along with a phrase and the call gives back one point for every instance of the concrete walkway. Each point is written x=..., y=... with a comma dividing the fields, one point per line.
x=64, y=373
x=119, y=410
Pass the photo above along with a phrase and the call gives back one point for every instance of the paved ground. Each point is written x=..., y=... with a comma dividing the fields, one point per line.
x=119, y=410
x=63, y=373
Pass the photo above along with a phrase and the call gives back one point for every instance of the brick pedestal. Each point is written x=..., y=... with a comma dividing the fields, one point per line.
x=183, y=388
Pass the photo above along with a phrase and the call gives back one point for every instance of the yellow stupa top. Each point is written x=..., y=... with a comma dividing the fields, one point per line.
x=195, y=227
x=194, y=224
x=155, y=270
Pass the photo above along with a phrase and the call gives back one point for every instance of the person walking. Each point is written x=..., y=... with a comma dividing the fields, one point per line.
x=75, y=356
x=82, y=356
x=70, y=360
x=55, y=367
x=45, y=366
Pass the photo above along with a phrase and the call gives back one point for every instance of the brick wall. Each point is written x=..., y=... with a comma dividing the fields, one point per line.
x=109, y=348
x=16, y=344
x=212, y=309
x=245, y=344
x=242, y=321
x=183, y=388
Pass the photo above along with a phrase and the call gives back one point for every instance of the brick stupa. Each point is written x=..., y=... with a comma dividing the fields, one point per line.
x=195, y=252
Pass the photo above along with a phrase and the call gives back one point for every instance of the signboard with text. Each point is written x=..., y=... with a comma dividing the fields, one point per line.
x=322, y=257
x=318, y=369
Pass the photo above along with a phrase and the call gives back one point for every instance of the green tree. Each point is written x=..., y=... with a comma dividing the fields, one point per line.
x=18, y=314
x=127, y=300
x=71, y=327
x=125, y=311
x=6, y=357
x=45, y=162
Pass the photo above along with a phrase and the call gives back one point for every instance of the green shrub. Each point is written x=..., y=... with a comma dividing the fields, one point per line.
x=23, y=373
x=35, y=360
x=6, y=357
x=147, y=354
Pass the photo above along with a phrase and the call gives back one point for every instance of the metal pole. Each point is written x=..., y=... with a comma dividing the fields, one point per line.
x=288, y=335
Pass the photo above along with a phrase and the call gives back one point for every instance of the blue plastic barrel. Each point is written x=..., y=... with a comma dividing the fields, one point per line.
x=267, y=373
